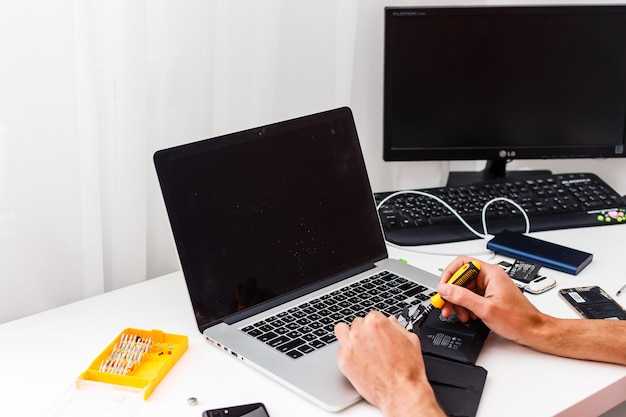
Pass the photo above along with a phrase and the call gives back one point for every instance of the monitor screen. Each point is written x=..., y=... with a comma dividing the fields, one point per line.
x=502, y=83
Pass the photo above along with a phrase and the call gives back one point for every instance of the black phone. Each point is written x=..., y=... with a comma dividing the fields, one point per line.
x=593, y=303
x=245, y=410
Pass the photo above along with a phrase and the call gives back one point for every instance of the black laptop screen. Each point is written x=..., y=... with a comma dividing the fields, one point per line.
x=265, y=212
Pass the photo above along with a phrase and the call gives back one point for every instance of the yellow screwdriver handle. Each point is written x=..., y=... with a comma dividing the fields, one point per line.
x=463, y=276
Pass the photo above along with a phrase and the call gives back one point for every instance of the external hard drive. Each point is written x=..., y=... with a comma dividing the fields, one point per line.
x=550, y=255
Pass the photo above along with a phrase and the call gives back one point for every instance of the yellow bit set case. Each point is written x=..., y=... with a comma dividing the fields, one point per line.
x=137, y=359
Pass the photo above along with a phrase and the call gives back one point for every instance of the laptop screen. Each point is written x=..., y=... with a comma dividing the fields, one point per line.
x=265, y=212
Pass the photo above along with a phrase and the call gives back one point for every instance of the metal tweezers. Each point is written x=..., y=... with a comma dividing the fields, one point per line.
x=414, y=321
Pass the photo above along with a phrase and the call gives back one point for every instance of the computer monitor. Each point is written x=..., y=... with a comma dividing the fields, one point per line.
x=502, y=83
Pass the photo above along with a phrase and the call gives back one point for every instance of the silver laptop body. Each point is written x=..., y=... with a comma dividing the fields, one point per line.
x=267, y=220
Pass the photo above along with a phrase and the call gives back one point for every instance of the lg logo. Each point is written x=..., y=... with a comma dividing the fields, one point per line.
x=506, y=154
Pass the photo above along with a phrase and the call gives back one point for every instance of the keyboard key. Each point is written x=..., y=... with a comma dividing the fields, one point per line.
x=306, y=349
x=317, y=343
x=286, y=347
x=281, y=340
x=295, y=354
x=266, y=337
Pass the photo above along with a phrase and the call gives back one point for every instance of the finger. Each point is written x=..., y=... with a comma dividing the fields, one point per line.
x=414, y=338
x=451, y=306
x=394, y=322
x=462, y=297
x=461, y=313
x=447, y=310
x=341, y=331
x=449, y=270
x=357, y=323
x=373, y=315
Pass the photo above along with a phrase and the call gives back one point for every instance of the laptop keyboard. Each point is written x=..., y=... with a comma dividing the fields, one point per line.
x=309, y=326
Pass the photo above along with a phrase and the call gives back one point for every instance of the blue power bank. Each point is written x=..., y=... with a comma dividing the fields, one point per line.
x=530, y=249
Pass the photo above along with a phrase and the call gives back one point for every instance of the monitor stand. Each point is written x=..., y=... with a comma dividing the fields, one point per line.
x=495, y=170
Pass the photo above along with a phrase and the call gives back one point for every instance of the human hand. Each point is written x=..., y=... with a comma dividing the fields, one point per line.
x=384, y=363
x=492, y=297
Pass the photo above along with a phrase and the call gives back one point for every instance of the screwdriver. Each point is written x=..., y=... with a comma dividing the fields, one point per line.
x=463, y=276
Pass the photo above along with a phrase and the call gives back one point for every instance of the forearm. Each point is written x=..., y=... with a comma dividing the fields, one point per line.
x=596, y=340
x=413, y=401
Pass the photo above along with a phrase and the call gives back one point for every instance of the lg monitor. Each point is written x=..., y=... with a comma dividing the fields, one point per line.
x=503, y=83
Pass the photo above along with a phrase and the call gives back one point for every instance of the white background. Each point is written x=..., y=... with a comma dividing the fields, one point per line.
x=90, y=89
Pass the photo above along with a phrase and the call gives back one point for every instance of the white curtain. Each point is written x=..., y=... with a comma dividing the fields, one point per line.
x=90, y=89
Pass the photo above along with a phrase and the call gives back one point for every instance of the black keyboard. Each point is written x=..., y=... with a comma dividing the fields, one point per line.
x=310, y=326
x=551, y=202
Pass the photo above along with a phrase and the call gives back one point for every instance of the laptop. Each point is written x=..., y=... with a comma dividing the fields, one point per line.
x=279, y=238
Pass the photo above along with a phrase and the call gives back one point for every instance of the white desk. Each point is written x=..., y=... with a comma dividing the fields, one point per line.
x=43, y=354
